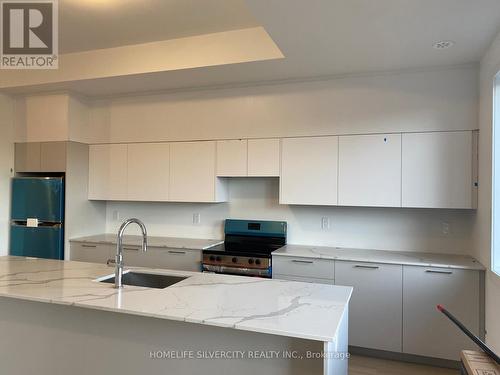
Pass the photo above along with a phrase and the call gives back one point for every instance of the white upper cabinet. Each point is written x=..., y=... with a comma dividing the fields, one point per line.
x=252, y=158
x=427, y=170
x=232, y=158
x=108, y=172
x=309, y=171
x=192, y=173
x=263, y=157
x=148, y=171
x=370, y=170
x=437, y=170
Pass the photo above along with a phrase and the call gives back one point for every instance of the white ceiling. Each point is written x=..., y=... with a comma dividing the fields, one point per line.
x=346, y=36
x=96, y=24
x=317, y=37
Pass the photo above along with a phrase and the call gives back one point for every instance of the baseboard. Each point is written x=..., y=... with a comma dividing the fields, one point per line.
x=403, y=357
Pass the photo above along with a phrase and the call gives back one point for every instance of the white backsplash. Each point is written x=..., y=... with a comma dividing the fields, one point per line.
x=448, y=231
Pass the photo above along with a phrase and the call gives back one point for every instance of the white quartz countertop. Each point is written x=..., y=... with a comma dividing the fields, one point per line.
x=381, y=256
x=167, y=242
x=279, y=307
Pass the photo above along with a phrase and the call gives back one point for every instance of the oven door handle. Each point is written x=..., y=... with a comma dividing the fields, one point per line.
x=237, y=270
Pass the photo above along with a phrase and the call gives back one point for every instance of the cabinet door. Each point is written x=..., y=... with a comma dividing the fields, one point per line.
x=108, y=172
x=232, y=158
x=437, y=170
x=27, y=157
x=148, y=171
x=263, y=157
x=91, y=252
x=370, y=170
x=376, y=307
x=426, y=331
x=192, y=172
x=309, y=171
x=53, y=157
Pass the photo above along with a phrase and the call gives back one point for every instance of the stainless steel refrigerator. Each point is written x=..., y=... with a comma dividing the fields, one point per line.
x=37, y=217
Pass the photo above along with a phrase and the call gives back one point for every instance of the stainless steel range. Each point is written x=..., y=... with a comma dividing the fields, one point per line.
x=246, y=249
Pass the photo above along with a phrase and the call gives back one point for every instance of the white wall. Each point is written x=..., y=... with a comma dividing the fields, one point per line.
x=6, y=164
x=257, y=198
x=433, y=100
x=412, y=101
x=82, y=217
x=490, y=65
x=52, y=117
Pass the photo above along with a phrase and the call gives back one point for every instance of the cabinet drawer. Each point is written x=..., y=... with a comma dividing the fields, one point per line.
x=377, y=297
x=304, y=267
x=90, y=252
x=133, y=257
x=175, y=259
x=426, y=331
x=303, y=279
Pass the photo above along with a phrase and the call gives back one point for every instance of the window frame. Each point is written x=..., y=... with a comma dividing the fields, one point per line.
x=495, y=178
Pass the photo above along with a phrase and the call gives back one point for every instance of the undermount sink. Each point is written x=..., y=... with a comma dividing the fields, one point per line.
x=148, y=280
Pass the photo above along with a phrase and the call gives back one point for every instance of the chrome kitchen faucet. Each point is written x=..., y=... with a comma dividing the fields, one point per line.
x=119, y=248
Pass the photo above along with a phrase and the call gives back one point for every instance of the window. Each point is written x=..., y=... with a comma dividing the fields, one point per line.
x=495, y=248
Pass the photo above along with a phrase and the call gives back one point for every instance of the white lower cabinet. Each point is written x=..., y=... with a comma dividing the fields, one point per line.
x=303, y=279
x=426, y=331
x=160, y=257
x=91, y=252
x=307, y=268
x=175, y=259
x=375, y=310
x=393, y=306
x=155, y=257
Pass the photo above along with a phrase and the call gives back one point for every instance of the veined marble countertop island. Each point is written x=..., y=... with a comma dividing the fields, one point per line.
x=212, y=324
x=278, y=307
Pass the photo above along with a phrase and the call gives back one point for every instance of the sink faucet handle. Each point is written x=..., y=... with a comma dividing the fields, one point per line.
x=111, y=262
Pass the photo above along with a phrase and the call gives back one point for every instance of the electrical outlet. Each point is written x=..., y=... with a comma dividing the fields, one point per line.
x=116, y=215
x=445, y=228
x=196, y=218
x=325, y=223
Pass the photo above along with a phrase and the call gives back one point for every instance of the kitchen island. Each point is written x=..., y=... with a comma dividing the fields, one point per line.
x=59, y=315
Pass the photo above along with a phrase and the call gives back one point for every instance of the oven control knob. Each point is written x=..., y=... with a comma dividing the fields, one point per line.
x=218, y=259
x=257, y=261
x=212, y=258
x=250, y=261
x=234, y=260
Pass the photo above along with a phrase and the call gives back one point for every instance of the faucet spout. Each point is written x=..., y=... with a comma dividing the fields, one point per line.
x=119, y=248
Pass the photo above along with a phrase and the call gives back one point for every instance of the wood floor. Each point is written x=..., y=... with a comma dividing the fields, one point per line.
x=371, y=366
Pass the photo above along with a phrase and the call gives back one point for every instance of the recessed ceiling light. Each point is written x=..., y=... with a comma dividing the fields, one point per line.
x=443, y=44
